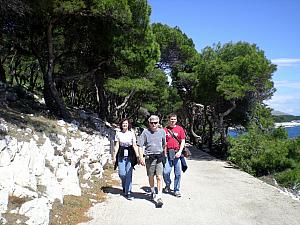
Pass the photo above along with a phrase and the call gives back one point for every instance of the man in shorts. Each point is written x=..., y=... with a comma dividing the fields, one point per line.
x=153, y=140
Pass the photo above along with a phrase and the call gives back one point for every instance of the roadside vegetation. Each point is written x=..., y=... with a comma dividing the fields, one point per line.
x=268, y=154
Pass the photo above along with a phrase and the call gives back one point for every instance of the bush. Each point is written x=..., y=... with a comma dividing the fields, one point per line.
x=280, y=133
x=260, y=154
x=290, y=178
x=294, y=149
x=271, y=158
x=267, y=153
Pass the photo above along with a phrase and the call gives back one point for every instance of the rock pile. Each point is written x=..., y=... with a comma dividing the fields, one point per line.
x=46, y=168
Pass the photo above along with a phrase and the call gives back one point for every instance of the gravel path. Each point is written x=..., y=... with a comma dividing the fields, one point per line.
x=213, y=193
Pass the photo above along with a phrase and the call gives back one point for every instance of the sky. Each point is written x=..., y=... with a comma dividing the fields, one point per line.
x=273, y=25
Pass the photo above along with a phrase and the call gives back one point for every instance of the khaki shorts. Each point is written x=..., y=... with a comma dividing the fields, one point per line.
x=154, y=168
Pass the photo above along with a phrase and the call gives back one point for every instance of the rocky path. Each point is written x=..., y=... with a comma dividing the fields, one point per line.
x=213, y=193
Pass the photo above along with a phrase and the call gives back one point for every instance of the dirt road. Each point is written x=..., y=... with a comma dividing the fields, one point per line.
x=213, y=193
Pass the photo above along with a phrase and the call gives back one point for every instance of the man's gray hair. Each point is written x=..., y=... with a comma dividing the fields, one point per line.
x=153, y=118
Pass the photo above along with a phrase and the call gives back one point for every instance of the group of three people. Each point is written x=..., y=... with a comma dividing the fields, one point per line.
x=158, y=149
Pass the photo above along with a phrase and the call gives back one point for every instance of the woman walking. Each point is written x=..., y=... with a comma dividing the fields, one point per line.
x=125, y=155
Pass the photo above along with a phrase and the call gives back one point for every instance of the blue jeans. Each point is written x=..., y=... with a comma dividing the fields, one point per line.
x=125, y=174
x=177, y=171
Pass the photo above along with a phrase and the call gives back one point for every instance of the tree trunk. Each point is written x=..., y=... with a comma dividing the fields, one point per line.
x=222, y=129
x=101, y=98
x=120, y=109
x=2, y=74
x=51, y=96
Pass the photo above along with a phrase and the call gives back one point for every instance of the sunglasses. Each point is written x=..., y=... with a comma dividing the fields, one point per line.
x=154, y=122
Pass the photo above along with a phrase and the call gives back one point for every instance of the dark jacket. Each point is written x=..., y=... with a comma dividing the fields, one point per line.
x=183, y=164
x=131, y=155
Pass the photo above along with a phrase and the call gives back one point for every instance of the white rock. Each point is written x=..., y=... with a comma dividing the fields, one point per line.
x=22, y=192
x=61, y=172
x=4, y=158
x=61, y=123
x=6, y=179
x=28, y=130
x=23, y=174
x=70, y=183
x=3, y=200
x=87, y=176
x=53, y=189
x=37, y=210
x=37, y=160
x=3, y=144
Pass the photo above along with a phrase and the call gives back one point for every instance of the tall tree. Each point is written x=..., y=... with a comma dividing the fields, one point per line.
x=231, y=74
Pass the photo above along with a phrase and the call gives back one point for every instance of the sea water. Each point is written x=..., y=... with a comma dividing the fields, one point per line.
x=292, y=132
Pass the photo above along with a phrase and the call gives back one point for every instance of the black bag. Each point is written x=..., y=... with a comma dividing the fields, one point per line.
x=186, y=152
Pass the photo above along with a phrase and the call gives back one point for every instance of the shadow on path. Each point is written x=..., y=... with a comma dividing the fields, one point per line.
x=200, y=155
x=146, y=194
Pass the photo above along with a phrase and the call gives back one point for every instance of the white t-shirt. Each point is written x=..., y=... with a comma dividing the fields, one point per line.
x=125, y=139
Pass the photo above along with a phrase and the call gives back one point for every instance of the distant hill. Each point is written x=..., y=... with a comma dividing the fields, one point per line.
x=285, y=118
x=279, y=113
x=280, y=117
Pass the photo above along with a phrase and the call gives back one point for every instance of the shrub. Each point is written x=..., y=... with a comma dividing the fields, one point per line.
x=271, y=158
x=280, y=133
x=290, y=178
x=259, y=153
x=294, y=149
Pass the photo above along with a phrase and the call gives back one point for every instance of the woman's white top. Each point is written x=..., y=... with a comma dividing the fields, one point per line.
x=125, y=139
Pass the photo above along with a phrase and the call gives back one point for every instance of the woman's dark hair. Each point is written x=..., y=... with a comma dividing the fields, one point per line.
x=121, y=122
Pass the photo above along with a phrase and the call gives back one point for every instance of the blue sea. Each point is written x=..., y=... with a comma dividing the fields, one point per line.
x=292, y=132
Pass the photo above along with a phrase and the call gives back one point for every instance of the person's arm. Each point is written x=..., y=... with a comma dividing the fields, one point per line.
x=141, y=153
x=141, y=143
x=136, y=152
x=165, y=143
x=182, y=144
x=135, y=147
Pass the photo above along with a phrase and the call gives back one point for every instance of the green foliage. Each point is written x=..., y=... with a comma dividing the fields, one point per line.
x=271, y=158
x=124, y=85
x=260, y=153
x=294, y=149
x=69, y=6
x=233, y=71
x=175, y=46
x=290, y=178
x=232, y=87
x=280, y=133
x=261, y=117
